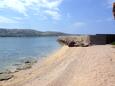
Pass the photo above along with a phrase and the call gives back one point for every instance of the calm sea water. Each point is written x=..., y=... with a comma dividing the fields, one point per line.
x=13, y=49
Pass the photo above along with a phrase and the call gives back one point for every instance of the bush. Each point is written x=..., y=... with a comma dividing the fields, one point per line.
x=113, y=43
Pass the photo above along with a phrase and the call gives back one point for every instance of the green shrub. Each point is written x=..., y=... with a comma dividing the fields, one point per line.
x=113, y=43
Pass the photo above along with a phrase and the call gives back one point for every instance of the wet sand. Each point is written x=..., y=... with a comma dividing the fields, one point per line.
x=71, y=66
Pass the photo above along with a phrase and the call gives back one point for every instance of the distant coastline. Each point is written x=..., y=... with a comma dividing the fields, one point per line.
x=28, y=33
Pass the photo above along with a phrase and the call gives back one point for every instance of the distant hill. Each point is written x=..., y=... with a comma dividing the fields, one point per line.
x=28, y=33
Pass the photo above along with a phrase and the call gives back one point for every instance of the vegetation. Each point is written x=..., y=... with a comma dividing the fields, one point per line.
x=113, y=43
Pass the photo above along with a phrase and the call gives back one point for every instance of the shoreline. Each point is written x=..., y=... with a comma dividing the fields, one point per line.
x=25, y=63
x=22, y=72
x=70, y=66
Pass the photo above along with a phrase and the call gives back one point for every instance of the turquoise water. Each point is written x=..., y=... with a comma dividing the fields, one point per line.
x=13, y=50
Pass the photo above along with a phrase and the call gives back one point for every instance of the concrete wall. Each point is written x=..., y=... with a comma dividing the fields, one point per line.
x=97, y=39
x=101, y=39
x=110, y=38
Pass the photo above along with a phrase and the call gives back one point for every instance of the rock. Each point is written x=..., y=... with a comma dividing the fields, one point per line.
x=5, y=77
x=29, y=60
x=5, y=71
x=24, y=67
x=71, y=44
x=16, y=64
x=25, y=64
x=14, y=70
x=85, y=44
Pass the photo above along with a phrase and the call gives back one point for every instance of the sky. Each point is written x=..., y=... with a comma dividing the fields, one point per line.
x=70, y=16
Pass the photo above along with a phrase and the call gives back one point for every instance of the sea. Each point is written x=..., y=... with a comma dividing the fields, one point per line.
x=15, y=49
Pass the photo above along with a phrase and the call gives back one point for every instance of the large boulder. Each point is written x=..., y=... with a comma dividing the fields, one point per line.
x=71, y=44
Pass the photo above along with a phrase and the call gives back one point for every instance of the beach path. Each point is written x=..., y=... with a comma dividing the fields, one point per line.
x=73, y=66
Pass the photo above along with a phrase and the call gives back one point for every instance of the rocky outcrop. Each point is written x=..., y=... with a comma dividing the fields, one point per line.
x=74, y=41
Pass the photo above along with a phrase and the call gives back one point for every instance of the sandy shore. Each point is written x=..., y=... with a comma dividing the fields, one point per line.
x=75, y=66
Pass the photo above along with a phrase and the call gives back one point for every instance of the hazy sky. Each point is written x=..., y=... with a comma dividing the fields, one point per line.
x=72, y=16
